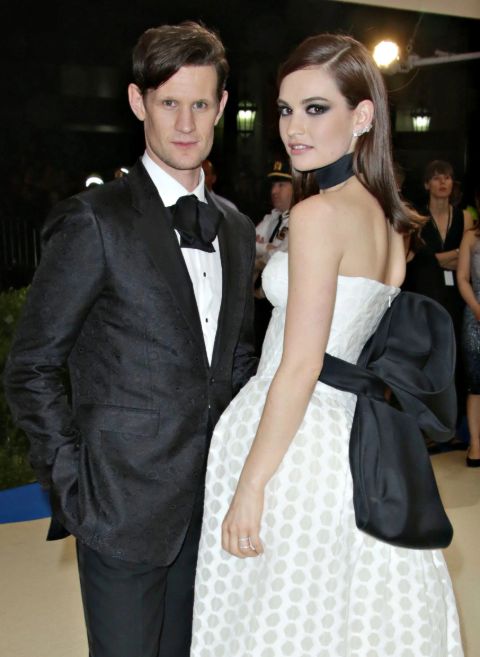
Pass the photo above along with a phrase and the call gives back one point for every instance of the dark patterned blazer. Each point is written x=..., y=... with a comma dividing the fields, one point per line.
x=123, y=451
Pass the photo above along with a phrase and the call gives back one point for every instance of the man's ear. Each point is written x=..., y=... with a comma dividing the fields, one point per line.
x=135, y=99
x=221, y=108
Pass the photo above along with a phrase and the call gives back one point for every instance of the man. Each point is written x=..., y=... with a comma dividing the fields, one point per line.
x=271, y=232
x=210, y=180
x=271, y=236
x=151, y=311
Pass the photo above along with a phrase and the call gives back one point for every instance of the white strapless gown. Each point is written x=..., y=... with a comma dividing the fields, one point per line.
x=322, y=588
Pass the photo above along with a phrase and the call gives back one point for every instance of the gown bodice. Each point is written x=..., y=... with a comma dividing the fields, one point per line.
x=359, y=306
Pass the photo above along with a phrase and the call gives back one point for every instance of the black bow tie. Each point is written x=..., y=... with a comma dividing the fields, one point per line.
x=196, y=222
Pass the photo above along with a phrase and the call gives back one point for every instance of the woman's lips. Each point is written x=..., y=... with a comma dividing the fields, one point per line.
x=298, y=149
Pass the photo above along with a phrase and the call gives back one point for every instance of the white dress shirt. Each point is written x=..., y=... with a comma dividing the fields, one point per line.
x=265, y=229
x=205, y=269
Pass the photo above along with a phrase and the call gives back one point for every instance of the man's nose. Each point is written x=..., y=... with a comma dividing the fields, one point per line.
x=185, y=121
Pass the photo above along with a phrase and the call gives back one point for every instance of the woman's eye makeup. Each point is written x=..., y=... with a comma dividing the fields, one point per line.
x=283, y=110
x=317, y=108
x=312, y=108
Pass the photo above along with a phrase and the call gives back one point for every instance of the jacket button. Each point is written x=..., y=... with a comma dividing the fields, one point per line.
x=212, y=380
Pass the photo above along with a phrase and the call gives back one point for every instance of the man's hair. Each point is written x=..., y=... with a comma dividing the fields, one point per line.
x=162, y=51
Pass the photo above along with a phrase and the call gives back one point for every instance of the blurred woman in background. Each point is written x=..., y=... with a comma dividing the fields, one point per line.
x=468, y=276
x=442, y=235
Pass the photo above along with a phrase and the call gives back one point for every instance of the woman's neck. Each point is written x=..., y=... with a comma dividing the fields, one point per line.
x=439, y=206
x=335, y=175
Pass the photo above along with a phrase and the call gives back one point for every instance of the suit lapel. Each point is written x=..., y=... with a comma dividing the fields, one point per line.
x=233, y=284
x=153, y=224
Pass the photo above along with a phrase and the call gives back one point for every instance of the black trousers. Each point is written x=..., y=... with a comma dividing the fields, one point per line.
x=134, y=610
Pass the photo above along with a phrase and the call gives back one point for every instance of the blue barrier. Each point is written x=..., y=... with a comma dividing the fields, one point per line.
x=28, y=502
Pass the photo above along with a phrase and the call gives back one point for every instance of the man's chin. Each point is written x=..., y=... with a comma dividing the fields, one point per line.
x=186, y=164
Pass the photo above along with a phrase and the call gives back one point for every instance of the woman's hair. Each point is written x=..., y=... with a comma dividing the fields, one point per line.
x=162, y=51
x=437, y=167
x=444, y=168
x=357, y=78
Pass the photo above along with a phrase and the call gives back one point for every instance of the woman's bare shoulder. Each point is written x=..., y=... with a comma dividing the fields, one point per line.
x=470, y=236
x=316, y=213
x=316, y=205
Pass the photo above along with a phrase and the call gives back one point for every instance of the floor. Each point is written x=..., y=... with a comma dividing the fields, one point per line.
x=40, y=608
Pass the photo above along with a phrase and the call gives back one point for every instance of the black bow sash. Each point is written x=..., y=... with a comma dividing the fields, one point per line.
x=196, y=222
x=404, y=380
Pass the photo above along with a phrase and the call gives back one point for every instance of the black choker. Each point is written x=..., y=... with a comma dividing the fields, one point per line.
x=335, y=173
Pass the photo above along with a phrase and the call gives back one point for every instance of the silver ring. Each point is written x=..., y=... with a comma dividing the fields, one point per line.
x=245, y=543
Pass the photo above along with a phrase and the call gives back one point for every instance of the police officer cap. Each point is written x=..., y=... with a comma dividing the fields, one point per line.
x=280, y=172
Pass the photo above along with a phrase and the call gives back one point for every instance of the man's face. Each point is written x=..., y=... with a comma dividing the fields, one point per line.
x=179, y=118
x=282, y=195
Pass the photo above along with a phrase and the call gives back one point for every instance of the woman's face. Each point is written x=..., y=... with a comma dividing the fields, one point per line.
x=440, y=185
x=316, y=124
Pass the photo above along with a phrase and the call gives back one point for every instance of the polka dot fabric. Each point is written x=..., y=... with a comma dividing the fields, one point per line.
x=322, y=587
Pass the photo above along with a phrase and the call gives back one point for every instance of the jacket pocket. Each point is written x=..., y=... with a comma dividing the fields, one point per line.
x=122, y=455
x=121, y=419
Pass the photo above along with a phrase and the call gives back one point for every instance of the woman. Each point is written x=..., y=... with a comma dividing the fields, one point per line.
x=468, y=276
x=446, y=226
x=443, y=232
x=296, y=578
x=442, y=235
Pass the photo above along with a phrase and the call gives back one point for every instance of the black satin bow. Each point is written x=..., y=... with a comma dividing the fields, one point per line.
x=196, y=222
x=405, y=384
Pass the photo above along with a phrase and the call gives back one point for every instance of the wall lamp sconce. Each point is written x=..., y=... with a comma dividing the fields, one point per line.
x=246, y=114
x=421, y=119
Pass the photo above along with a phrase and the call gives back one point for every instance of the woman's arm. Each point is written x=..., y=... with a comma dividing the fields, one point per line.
x=463, y=273
x=468, y=220
x=314, y=260
x=449, y=259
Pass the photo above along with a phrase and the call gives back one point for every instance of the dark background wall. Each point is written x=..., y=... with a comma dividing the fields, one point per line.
x=66, y=65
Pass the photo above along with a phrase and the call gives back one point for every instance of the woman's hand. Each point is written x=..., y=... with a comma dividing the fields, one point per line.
x=448, y=259
x=241, y=526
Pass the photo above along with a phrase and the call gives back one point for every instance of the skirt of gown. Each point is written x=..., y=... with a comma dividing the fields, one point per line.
x=322, y=588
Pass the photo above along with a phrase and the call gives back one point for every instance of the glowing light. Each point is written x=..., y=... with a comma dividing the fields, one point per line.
x=246, y=114
x=421, y=120
x=385, y=53
x=93, y=179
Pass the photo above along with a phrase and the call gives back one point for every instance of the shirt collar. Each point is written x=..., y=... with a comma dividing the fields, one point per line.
x=170, y=189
